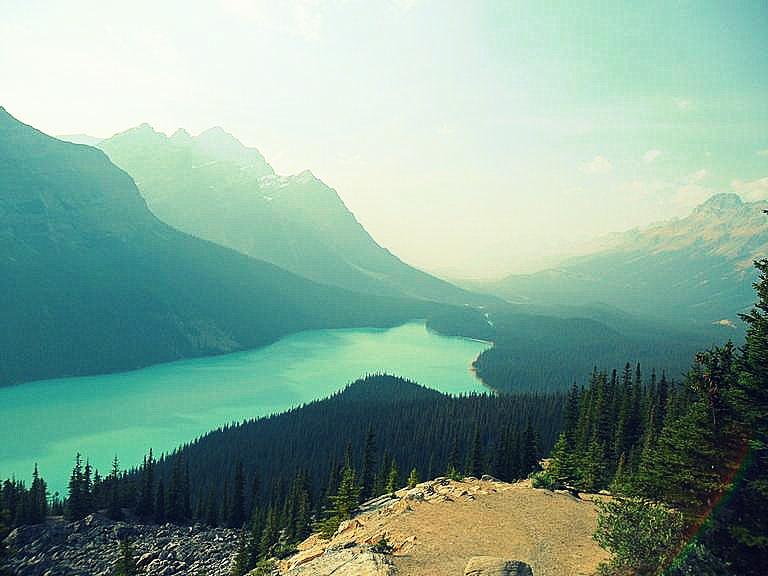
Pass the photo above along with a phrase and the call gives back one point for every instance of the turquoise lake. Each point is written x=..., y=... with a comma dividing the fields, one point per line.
x=166, y=405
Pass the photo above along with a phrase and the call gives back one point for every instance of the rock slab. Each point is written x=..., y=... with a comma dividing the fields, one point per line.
x=490, y=566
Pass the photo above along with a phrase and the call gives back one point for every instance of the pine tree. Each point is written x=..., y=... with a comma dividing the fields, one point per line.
x=562, y=466
x=368, y=470
x=740, y=530
x=475, y=461
x=76, y=499
x=413, y=478
x=126, y=565
x=236, y=517
x=145, y=508
x=160, y=497
x=393, y=479
x=114, y=503
x=530, y=460
x=452, y=471
x=241, y=563
x=38, y=506
x=343, y=503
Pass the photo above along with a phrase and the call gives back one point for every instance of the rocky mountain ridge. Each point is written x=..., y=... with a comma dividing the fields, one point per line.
x=214, y=187
x=692, y=270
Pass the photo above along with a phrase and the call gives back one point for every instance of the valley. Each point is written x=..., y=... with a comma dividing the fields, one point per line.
x=166, y=405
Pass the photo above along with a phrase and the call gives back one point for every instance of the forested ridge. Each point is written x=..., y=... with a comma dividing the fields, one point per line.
x=283, y=475
x=668, y=449
x=534, y=351
x=682, y=461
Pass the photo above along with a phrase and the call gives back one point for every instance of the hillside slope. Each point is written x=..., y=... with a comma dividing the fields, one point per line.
x=93, y=282
x=216, y=188
x=693, y=270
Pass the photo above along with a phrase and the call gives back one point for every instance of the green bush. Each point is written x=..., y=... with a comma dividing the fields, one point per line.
x=382, y=546
x=545, y=480
x=643, y=537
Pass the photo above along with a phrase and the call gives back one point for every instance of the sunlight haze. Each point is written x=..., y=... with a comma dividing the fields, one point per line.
x=473, y=139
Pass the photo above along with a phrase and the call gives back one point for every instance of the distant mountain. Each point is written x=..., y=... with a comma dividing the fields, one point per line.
x=695, y=269
x=214, y=187
x=92, y=282
x=80, y=139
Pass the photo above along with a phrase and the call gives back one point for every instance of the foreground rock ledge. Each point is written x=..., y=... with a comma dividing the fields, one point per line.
x=490, y=566
x=445, y=527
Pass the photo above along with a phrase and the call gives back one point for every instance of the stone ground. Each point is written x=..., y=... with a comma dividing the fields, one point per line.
x=437, y=527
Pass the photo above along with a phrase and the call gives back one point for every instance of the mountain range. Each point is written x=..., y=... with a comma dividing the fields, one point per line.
x=93, y=282
x=692, y=270
x=214, y=187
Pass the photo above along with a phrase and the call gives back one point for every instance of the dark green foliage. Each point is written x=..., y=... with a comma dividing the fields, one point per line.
x=368, y=469
x=558, y=350
x=699, y=443
x=126, y=564
x=114, y=501
x=78, y=497
x=301, y=448
x=640, y=535
x=413, y=478
x=145, y=506
x=241, y=564
x=343, y=503
x=382, y=546
x=20, y=505
x=475, y=465
x=236, y=517
x=607, y=429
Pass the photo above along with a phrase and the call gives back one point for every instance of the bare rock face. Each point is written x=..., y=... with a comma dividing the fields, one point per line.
x=356, y=561
x=490, y=566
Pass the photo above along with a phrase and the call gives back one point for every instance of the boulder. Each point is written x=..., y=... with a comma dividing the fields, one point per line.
x=490, y=566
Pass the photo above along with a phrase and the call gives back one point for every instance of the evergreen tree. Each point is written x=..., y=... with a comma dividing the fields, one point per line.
x=368, y=470
x=343, y=503
x=236, y=517
x=77, y=503
x=114, y=503
x=393, y=480
x=145, y=508
x=475, y=461
x=241, y=563
x=160, y=514
x=530, y=460
x=126, y=565
x=413, y=478
x=38, y=499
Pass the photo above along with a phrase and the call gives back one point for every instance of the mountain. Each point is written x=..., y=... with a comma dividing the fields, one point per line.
x=80, y=139
x=214, y=187
x=695, y=269
x=93, y=282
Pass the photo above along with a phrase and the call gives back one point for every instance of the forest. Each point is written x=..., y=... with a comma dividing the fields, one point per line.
x=686, y=461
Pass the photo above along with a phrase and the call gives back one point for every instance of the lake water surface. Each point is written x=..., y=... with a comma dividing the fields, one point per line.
x=168, y=404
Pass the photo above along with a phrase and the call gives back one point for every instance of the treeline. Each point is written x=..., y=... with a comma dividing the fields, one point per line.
x=545, y=352
x=282, y=476
x=690, y=460
x=612, y=424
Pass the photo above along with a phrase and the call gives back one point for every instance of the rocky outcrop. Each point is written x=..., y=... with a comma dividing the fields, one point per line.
x=90, y=547
x=446, y=527
x=355, y=561
x=490, y=566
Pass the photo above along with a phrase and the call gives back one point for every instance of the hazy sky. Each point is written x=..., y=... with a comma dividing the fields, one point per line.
x=468, y=137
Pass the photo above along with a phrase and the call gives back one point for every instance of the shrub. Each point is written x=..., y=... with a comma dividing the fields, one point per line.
x=545, y=480
x=643, y=537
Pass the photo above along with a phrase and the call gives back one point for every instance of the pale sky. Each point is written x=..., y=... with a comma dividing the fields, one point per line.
x=470, y=138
